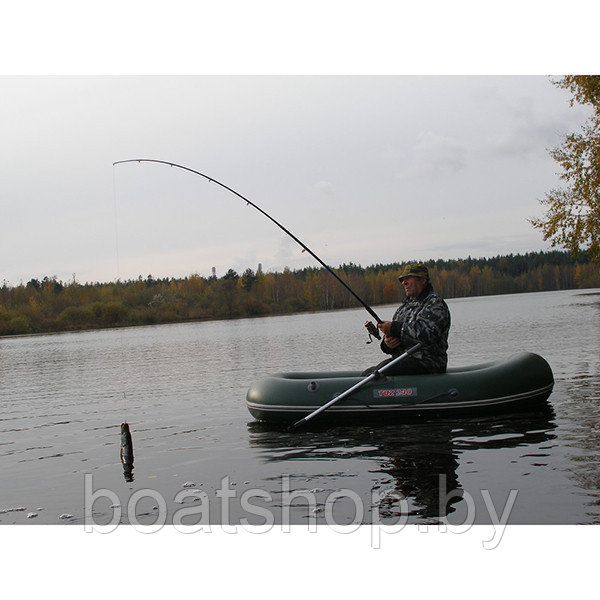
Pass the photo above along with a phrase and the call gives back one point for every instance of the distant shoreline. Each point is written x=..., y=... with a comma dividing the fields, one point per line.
x=51, y=306
x=596, y=292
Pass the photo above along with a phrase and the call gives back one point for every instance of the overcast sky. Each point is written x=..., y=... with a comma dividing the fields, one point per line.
x=362, y=169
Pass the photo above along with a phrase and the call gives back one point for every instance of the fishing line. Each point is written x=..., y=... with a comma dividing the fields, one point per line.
x=116, y=224
x=126, y=443
x=118, y=282
x=304, y=247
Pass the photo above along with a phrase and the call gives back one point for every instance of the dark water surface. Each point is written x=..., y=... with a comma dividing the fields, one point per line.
x=182, y=390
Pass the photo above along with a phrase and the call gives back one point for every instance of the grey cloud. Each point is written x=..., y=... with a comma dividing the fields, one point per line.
x=325, y=187
x=435, y=155
x=530, y=131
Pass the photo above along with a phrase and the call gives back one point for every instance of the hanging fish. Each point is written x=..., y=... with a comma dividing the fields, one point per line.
x=126, y=452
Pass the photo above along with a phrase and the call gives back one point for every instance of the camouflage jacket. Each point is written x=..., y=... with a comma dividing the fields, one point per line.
x=424, y=319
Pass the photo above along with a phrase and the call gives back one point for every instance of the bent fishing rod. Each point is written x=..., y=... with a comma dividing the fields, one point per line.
x=248, y=202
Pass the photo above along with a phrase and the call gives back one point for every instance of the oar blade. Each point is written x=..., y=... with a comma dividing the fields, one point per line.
x=296, y=424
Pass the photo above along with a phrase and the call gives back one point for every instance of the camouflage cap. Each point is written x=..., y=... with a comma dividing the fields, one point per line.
x=415, y=269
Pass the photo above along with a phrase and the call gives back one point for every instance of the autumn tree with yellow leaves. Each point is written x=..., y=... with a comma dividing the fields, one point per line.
x=572, y=218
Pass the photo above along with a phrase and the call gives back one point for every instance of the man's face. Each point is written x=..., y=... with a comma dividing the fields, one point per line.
x=413, y=286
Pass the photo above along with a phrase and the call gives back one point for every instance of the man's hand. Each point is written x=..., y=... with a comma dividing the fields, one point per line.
x=385, y=326
x=392, y=342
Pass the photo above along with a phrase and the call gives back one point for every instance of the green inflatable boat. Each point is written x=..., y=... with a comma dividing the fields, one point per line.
x=509, y=385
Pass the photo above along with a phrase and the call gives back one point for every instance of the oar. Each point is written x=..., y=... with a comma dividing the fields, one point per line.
x=356, y=386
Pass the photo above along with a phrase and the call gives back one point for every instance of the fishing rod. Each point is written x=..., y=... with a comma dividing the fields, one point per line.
x=372, y=330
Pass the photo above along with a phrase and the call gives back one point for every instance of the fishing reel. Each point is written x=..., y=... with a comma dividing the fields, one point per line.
x=373, y=331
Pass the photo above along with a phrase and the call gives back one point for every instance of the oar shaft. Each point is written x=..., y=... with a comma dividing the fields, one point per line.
x=356, y=386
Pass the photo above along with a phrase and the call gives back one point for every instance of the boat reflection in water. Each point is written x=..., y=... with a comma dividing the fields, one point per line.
x=416, y=462
x=126, y=452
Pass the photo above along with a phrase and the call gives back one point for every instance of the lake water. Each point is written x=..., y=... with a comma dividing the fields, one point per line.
x=182, y=390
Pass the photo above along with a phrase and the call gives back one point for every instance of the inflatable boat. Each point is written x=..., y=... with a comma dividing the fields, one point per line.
x=517, y=383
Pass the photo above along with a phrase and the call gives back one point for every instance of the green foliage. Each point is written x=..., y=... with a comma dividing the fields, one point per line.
x=50, y=305
x=572, y=218
x=248, y=279
x=12, y=322
x=74, y=316
x=18, y=325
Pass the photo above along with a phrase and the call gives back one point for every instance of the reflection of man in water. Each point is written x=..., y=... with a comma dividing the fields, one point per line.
x=420, y=464
x=418, y=461
x=424, y=458
x=422, y=318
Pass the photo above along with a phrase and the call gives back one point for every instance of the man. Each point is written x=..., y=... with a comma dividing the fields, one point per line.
x=423, y=317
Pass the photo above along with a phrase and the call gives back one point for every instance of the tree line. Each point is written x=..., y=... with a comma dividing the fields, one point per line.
x=50, y=305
